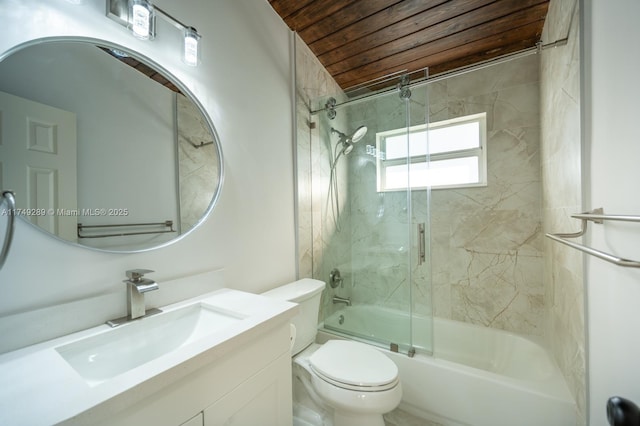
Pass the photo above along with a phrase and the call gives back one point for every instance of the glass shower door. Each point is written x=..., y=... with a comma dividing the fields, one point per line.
x=418, y=165
x=381, y=241
x=376, y=236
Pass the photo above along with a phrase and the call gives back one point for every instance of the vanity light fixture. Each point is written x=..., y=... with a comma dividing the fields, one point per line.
x=140, y=17
x=191, y=50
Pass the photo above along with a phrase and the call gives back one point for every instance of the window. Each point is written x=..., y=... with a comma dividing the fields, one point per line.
x=456, y=150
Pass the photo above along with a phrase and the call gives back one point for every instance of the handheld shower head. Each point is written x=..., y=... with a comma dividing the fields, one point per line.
x=355, y=136
x=348, y=141
x=359, y=134
x=347, y=148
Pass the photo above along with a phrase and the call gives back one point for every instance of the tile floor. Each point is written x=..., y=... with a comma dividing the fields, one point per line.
x=401, y=418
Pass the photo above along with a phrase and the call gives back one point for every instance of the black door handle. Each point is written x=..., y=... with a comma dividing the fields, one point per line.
x=622, y=412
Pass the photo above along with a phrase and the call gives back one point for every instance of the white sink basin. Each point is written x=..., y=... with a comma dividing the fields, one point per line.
x=94, y=375
x=101, y=357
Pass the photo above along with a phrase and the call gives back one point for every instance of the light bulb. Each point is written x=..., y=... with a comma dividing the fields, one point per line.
x=142, y=19
x=191, y=47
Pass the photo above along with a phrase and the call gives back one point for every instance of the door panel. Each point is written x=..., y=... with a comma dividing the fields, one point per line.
x=41, y=142
x=264, y=399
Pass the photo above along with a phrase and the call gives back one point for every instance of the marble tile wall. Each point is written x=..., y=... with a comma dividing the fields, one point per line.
x=384, y=267
x=490, y=263
x=487, y=242
x=374, y=268
x=561, y=174
x=320, y=246
x=198, y=167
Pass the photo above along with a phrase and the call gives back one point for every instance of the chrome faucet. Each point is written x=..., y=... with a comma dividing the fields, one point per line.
x=338, y=299
x=137, y=285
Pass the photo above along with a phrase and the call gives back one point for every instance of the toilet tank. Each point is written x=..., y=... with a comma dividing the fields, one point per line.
x=306, y=293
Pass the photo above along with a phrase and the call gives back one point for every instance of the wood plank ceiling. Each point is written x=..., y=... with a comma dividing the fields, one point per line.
x=359, y=41
x=143, y=68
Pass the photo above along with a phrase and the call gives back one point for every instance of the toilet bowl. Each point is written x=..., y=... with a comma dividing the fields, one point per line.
x=356, y=382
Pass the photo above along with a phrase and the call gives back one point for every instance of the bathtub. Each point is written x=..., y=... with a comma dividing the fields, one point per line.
x=477, y=376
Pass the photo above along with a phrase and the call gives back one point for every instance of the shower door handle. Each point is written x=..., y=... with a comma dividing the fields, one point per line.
x=421, y=244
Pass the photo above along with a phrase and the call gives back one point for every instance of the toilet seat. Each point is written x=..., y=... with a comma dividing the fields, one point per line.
x=354, y=366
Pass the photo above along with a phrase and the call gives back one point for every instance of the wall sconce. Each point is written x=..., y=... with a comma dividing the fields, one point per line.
x=142, y=18
x=191, y=50
x=139, y=16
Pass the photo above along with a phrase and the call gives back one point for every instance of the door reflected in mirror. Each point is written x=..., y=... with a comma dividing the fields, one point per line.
x=103, y=149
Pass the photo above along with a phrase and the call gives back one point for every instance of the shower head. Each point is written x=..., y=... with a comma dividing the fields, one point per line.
x=355, y=136
x=347, y=148
x=359, y=134
x=348, y=141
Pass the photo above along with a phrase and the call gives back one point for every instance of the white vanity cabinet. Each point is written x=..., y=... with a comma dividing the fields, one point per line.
x=220, y=358
x=250, y=384
x=264, y=399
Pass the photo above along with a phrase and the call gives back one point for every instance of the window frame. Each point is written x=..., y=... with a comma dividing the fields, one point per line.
x=480, y=152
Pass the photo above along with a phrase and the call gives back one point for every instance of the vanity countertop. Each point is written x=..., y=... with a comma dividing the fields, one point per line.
x=38, y=387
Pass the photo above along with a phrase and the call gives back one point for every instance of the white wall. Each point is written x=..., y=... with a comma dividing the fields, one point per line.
x=48, y=288
x=611, y=89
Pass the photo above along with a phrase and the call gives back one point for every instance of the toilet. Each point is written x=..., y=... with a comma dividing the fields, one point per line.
x=356, y=382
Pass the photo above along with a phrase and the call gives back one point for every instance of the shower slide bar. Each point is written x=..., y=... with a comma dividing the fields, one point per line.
x=596, y=216
x=166, y=223
x=9, y=198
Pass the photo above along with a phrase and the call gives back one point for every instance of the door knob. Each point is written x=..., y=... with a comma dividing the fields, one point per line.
x=622, y=412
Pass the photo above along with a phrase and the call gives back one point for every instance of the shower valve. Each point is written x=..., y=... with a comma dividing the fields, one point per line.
x=335, y=279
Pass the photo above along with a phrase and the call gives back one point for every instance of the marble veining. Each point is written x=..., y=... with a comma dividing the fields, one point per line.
x=562, y=196
x=320, y=247
x=198, y=167
x=489, y=263
x=485, y=244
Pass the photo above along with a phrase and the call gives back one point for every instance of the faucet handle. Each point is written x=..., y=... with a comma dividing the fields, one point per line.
x=136, y=274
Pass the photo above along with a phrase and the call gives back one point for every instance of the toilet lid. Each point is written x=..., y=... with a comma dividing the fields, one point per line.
x=354, y=365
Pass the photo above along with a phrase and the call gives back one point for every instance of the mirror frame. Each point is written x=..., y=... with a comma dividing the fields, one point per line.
x=185, y=91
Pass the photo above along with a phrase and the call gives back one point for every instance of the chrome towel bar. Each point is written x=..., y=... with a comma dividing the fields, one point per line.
x=166, y=224
x=596, y=216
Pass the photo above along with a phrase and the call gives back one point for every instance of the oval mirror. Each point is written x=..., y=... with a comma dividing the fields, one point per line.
x=102, y=148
